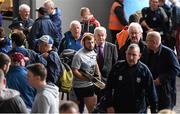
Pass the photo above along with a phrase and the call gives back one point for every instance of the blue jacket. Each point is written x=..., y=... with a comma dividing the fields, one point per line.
x=5, y=45
x=17, y=79
x=43, y=26
x=56, y=19
x=129, y=88
x=53, y=66
x=22, y=50
x=69, y=42
x=165, y=66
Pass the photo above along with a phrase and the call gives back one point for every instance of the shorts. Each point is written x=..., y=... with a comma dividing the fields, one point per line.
x=84, y=92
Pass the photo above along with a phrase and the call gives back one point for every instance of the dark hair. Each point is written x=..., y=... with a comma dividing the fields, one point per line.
x=68, y=105
x=38, y=69
x=4, y=59
x=2, y=32
x=133, y=18
x=42, y=11
x=117, y=1
x=18, y=38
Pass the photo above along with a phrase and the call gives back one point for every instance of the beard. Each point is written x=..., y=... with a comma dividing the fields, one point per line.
x=89, y=49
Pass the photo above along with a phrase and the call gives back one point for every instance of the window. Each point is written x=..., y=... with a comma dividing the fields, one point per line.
x=6, y=7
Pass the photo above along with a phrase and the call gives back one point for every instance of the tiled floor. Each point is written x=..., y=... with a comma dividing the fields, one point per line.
x=177, y=107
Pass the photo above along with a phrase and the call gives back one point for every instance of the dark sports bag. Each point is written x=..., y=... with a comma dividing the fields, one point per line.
x=65, y=81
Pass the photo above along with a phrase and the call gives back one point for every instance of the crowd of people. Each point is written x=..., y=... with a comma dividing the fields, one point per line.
x=138, y=67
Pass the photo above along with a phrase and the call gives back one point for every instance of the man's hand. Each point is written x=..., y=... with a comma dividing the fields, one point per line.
x=157, y=82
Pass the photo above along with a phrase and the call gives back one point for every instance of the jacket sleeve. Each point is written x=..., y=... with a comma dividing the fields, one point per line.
x=115, y=55
x=53, y=67
x=32, y=36
x=21, y=105
x=173, y=69
x=120, y=15
x=151, y=93
x=42, y=105
x=62, y=45
x=109, y=89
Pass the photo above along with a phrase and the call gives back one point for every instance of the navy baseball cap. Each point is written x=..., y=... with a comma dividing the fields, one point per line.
x=42, y=10
x=17, y=24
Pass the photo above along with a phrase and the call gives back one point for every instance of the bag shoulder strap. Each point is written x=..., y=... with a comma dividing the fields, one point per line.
x=164, y=14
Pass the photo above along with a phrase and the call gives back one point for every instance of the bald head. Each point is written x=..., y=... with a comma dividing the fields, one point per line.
x=153, y=40
x=154, y=36
x=133, y=46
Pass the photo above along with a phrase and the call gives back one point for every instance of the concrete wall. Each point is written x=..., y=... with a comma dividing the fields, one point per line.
x=71, y=10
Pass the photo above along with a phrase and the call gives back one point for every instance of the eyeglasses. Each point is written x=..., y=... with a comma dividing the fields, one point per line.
x=134, y=33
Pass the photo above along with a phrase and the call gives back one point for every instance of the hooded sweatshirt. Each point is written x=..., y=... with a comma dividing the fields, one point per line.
x=89, y=25
x=11, y=102
x=56, y=19
x=47, y=99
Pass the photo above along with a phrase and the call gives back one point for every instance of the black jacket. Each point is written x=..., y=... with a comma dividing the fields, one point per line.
x=130, y=89
x=143, y=50
x=164, y=65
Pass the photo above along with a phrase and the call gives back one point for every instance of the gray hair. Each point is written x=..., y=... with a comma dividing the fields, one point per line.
x=74, y=22
x=23, y=6
x=133, y=46
x=98, y=29
x=49, y=3
x=135, y=25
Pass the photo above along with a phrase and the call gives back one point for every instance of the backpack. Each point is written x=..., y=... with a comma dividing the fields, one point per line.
x=65, y=82
x=66, y=78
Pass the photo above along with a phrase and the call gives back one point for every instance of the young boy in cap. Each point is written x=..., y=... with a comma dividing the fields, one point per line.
x=17, y=78
x=16, y=26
